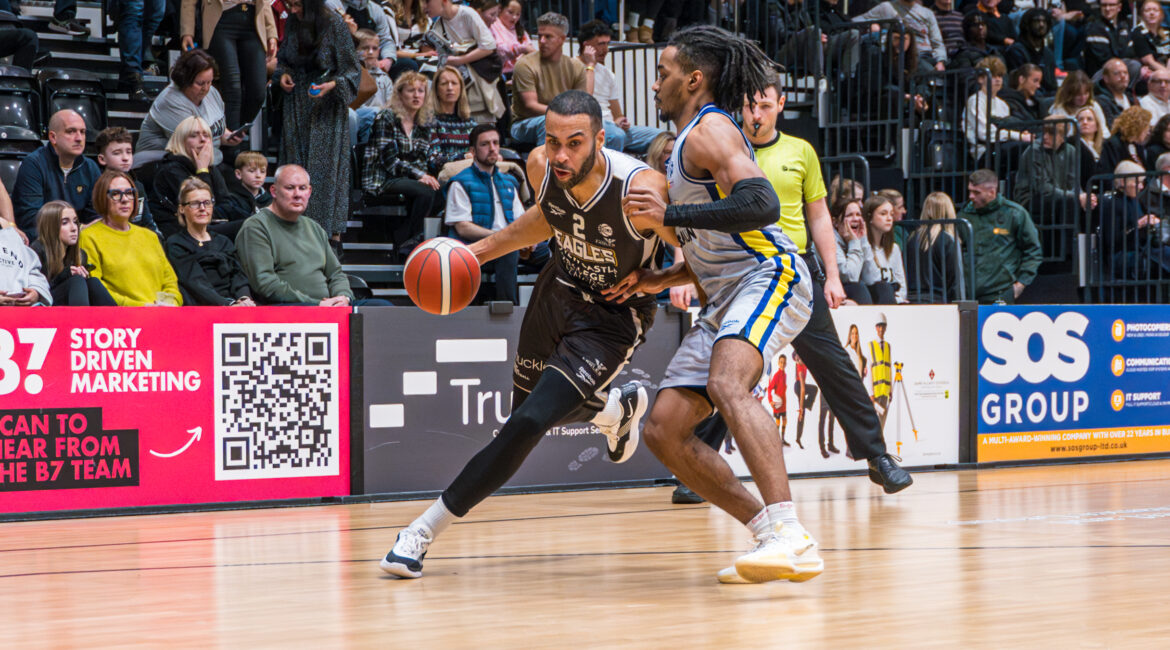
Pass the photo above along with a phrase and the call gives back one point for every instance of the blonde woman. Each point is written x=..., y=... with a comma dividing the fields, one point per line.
x=659, y=151
x=1131, y=131
x=1151, y=39
x=452, y=123
x=190, y=152
x=1075, y=93
x=128, y=259
x=204, y=261
x=397, y=158
x=1089, y=141
x=933, y=260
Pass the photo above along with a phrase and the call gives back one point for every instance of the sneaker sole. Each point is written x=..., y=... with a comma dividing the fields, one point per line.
x=756, y=571
x=399, y=569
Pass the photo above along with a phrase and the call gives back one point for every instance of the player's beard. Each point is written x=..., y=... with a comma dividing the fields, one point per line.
x=576, y=178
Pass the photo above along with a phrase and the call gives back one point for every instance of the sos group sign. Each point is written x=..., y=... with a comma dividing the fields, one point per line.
x=1073, y=381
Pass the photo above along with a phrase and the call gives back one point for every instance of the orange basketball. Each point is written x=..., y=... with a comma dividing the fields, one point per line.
x=441, y=275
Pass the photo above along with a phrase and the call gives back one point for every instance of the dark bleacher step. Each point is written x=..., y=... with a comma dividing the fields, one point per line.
x=65, y=45
x=376, y=274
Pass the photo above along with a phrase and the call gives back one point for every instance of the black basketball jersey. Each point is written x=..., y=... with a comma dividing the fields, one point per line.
x=594, y=244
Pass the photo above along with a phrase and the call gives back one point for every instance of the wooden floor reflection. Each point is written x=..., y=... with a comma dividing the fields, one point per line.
x=1053, y=557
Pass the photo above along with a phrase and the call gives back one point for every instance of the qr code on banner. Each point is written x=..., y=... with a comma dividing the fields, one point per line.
x=276, y=400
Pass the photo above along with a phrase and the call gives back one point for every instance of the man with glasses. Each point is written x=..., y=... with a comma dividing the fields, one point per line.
x=56, y=171
x=1109, y=37
x=1158, y=101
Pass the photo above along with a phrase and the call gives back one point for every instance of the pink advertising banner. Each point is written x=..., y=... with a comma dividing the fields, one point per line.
x=121, y=407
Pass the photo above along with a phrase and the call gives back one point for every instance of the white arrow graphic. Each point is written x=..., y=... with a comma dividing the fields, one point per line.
x=197, y=432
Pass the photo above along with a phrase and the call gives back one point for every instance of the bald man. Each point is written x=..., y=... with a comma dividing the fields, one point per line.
x=57, y=171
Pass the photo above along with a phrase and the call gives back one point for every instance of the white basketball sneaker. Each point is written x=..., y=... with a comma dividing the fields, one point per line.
x=790, y=553
x=405, y=559
x=622, y=438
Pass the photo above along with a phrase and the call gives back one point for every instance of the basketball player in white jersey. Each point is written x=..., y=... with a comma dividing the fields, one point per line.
x=574, y=340
x=756, y=291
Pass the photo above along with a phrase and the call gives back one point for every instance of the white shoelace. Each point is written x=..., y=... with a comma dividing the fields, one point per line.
x=413, y=543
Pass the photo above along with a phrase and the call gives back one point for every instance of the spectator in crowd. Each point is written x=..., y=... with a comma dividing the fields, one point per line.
x=920, y=22
x=1130, y=233
x=289, y=260
x=878, y=76
x=1151, y=39
x=396, y=160
x=1001, y=30
x=20, y=43
x=488, y=10
x=190, y=93
x=319, y=73
x=411, y=22
x=860, y=276
x=205, y=262
x=899, y=212
x=136, y=22
x=1156, y=198
x=1091, y=141
x=189, y=153
x=1112, y=92
x=1159, y=142
x=878, y=212
x=640, y=20
x=976, y=47
x=1108, y=37
x=371, y=17
x=240, y=36
x=482, y=200
x=461, y=24
x=659, y=151
x=934, y=266
x=1024, y=83
x=620, y=135
x=115, y=147
x=512, y=42
x=451, y=122
x=542, y=75
x=1047, y=184
x=1158, y=101
x=981, y=132
x=251, y=170
x=22, y=284
x=1032, y=47
x=128, y=259
x=950, y=25
x=840, y=187
x=363, y=116
x=1007, y=248
x=1128, y=142
x=62, y=260
x=56, y=171
x=1075, y=93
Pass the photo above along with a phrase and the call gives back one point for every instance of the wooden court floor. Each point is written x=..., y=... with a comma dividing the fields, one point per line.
x=1056, y=557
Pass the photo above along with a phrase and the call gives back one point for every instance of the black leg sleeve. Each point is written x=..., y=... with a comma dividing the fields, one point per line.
x=841, y=386
x=552, y=400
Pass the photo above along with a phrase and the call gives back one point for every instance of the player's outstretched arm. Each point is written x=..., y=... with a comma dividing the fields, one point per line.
x=716, y=147
x=652, y=184
x=648, y=281
x=528, y=229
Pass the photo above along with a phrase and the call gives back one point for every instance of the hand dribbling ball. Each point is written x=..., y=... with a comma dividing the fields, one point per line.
x=441, y=275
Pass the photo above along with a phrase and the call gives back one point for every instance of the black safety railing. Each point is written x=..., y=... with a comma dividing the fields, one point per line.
x=845, y=174
x=939, y=260
x=953, y=129
x=865, y=102
x=1042, y=172
x=1128, y=260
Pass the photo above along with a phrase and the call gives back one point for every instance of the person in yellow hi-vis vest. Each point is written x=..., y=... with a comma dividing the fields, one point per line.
x=880, y=364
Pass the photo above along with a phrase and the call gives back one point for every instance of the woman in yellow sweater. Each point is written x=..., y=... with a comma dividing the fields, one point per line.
x=128, y=259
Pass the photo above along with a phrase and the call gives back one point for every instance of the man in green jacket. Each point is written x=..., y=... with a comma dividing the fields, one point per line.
x=1007, y=248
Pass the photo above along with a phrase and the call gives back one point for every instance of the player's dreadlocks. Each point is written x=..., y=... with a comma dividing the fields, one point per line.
x=734, y=66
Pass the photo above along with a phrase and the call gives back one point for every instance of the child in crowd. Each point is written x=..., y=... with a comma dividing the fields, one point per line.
x=115, y=147
x=368, y=47
x=251, y=170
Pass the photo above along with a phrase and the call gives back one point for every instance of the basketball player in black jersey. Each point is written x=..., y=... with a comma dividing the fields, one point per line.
x=573, y=341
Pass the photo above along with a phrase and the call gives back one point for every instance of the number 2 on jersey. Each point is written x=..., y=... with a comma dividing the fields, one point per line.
x=578, y=226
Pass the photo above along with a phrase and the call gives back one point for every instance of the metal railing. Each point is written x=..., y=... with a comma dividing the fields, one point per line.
x=864, y=109
x=836, y=170
x=1128, y=261
x=939, y=260
x=1046, y=180
x=942, y=152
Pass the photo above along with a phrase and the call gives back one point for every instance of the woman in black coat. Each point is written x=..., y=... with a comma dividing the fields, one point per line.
x=205, y=262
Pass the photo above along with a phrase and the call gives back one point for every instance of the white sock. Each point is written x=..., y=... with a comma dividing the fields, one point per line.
x=611, y=415
x=649, y=22
x=761, y=524
x=631, y=19
x=783, y=513
x=436, y=519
